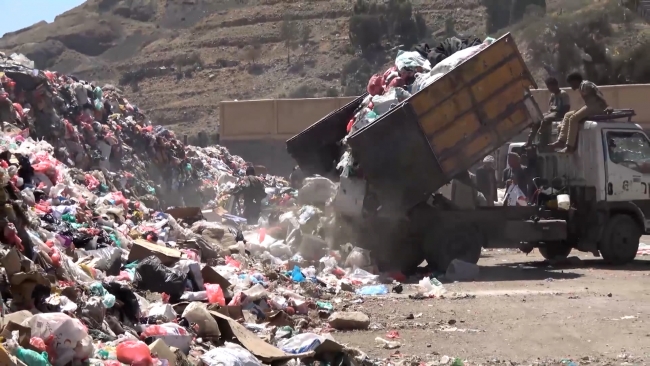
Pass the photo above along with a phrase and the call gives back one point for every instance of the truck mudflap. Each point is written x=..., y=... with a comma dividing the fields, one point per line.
x=317, y=149
x=535, y=231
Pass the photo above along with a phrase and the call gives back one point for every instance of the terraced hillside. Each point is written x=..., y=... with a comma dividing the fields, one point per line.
x=178, y=59
x=103, y=39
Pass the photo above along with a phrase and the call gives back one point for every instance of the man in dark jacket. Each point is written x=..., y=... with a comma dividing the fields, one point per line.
x=252, y=188
x=486, y=180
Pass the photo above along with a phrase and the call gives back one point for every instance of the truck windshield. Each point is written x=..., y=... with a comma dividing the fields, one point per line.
x=630, y=149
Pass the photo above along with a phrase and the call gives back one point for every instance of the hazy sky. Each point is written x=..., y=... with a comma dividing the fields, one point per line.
x=18, y=14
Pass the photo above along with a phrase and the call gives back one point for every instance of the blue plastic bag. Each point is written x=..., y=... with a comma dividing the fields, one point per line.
x=373, y=290
x=296, y=275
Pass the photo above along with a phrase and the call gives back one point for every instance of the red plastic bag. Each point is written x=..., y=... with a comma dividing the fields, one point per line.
x=389, y=75
x=397, y=82
x=134, y=353
x=232, y=262
x=38, y=343
x=215, y=294
x=375, y=85
x=350, y=124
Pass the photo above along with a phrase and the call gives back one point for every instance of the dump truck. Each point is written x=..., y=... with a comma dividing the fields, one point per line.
x=395, y=206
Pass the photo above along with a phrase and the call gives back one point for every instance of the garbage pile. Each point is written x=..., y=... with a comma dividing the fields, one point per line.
x=96, y=129
x=94, y=271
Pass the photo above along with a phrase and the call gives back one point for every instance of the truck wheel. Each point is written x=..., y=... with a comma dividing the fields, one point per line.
x=620, y=240
x=461, y=241
x=555, y=250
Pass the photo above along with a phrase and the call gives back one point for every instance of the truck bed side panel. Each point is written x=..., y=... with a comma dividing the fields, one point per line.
x=476, y=107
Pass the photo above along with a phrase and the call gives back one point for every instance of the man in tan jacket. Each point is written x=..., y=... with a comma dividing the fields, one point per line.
x=595, y=104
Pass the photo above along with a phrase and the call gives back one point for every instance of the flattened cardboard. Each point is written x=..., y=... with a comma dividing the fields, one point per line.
x=231, y=330
x=234, y=312
x=142, y=249
x=161, y=349
x=17, y=317
x=212, y=276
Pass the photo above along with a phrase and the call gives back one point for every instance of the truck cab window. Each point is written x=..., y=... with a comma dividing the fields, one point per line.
x=629, y=149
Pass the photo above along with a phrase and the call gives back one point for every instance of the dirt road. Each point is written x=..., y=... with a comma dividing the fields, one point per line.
x=521, y=311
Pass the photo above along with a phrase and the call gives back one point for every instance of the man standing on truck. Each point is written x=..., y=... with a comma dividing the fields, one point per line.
x=252, y=188
x=486, y=180
x=595, y=104
x=559, y=104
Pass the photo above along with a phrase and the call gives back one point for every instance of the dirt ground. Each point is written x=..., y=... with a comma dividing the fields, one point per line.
x=521, y=310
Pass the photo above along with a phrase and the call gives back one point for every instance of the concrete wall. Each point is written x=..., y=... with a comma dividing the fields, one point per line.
x=257, y=129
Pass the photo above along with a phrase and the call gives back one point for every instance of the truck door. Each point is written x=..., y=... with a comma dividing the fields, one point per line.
x=627, y=164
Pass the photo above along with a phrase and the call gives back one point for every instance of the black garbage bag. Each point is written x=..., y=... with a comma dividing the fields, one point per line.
x=82, y=240
x=131, y=307
x=152, y=275
x=450, y=46
x=111, y=265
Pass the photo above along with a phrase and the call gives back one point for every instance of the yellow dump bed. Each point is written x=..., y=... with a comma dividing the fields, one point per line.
x=447, y=127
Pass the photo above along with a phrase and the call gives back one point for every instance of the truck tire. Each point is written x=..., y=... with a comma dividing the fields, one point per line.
x=555, y=250
x=460, y=241
x=620, y=240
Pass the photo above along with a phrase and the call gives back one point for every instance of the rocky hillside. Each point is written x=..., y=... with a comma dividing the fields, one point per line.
x=178, y=59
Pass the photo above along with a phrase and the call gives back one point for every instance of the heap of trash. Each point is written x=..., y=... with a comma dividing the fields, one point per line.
x=117, y=247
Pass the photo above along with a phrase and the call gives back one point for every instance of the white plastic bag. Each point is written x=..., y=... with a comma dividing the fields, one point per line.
x=363, y=277
x=423, y=80
x=429, y=289
x=164, y=310
x=456, y=59
x=71, y=339
x=230, y=355
x=411, y=59
x=301, y=343
x=358, y=257
x=515, y=196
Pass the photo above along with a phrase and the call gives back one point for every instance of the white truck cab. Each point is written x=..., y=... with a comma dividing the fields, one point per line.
x=608, y=180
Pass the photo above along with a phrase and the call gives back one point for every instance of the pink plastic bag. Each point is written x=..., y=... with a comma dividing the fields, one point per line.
x=233, y=263
x=91, y=182
x=215, y=294
x=134, y=353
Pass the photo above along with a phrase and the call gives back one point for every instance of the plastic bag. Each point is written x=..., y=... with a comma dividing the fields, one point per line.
x=431, y=287
x=229, y=355
x=215, y=294
x=423, y=80
x=358, y=257
x=152, y=275
x=411, y=60
x=32, y=358
x=135, y=353
x=372, y=290
x=362, y=277
x=165, y=311
x=456, y=59
x=301, y=343
x=69, y=336
x=173, y=334
x=375, y=85
x=515, y=196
